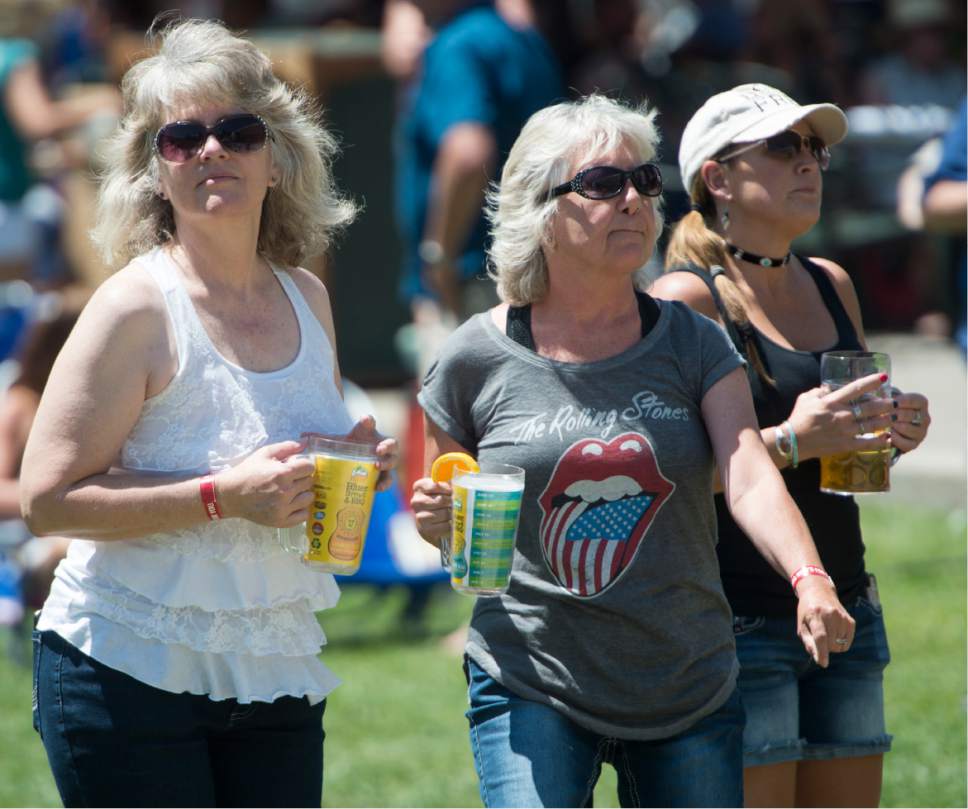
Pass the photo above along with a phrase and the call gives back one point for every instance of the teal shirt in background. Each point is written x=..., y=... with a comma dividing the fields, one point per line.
x=15, y=174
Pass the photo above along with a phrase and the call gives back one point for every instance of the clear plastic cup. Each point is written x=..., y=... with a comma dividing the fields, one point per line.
x=486, y=510
x=332, y=539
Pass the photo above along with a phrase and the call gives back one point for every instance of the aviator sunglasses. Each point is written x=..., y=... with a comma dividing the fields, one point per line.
x=786, y=146
x=182, y=140
x=605, y=182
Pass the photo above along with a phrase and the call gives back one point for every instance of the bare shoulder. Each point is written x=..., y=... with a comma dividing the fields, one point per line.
x=129, y=301
x=317, y=296
x=844, y=286
x=839, y=277
x=313, y=290
x=123, y=337
x=688, y=288
x=834, y=271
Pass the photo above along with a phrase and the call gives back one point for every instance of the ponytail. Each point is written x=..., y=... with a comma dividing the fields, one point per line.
x=694, y=242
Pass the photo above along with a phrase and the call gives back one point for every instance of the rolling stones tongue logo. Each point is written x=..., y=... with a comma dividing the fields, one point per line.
x=596, y=509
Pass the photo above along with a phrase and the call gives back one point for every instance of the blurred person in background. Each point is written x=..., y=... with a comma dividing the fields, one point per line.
x=176, y=657
x=406, y=32
x=26, y=563
x=75, y=45
x=43, y=340
x=29, y=114
x=945, y=208
x=919, y=71
x=752, y=159
x=479, y=80
x=614, y=640
x=921, y=68
x=31, y=212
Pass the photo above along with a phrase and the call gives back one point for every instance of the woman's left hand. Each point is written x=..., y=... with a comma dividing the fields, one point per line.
x=911, y=426
x=387, y=449
x=823, y=625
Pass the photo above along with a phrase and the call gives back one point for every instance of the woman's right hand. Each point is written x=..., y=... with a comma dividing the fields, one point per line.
x=431, y=504
x=273, y=486
x=826, y=422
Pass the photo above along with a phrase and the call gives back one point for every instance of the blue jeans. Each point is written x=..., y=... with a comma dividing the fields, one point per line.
x=529, y=754
x=796, y=710
x=111, y=740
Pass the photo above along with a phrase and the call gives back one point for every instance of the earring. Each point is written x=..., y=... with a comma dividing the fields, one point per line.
x=724, y=219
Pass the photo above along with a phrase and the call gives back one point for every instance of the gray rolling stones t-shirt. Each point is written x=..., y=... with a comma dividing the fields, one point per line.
x=615, y=614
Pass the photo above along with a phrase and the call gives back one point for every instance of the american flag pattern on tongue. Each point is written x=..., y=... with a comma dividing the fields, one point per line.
x=597, y=508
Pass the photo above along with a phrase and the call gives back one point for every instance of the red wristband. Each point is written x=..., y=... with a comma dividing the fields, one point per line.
x=206, y=488
x=809, y=570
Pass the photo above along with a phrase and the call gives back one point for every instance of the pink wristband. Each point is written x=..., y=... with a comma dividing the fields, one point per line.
x=206, y=488
x=809, y=570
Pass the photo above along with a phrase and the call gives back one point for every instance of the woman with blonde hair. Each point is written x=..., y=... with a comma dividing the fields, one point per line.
x=613, y=642
x=752, y=159
x=176, y=656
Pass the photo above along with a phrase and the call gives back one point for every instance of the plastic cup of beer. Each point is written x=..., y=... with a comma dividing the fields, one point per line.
x=486, y=510
x=856, y=472
x=344, y=482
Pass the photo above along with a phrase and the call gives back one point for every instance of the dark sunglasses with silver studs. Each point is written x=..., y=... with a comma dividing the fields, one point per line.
x=605, y=182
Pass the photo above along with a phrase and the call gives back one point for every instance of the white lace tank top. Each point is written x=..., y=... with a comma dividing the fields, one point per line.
x=220, y=608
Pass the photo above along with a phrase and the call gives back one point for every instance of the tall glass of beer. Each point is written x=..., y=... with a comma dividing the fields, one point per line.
x=855, y=472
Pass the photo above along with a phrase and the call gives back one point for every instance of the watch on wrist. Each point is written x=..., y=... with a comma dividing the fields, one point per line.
x=431, y=252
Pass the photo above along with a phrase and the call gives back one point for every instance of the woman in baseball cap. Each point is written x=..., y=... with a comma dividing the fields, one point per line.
x=752, y=160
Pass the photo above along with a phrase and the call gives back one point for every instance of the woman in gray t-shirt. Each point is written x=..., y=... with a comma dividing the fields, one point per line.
x=614, y=641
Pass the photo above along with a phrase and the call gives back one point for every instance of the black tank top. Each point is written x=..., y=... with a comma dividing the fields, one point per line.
x=751, y=585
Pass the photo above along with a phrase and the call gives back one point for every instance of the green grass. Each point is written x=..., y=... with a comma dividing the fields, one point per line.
x=919, y=559
x=396, y=735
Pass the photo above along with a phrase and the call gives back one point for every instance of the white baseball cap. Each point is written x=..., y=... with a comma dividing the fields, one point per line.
x=748, y=113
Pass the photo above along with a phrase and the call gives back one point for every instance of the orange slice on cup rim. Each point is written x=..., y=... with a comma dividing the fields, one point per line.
x=451, y=463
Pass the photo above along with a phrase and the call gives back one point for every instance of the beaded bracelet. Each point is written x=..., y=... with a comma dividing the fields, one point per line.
x=809, y=570
x=206, y=489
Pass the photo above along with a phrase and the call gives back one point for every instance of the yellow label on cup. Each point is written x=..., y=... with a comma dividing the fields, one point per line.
x=340, y=514
x=460, y=523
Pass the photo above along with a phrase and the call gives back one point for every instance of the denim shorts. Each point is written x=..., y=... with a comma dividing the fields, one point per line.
x=528, y=754
x=112, y=740
x=796, y=710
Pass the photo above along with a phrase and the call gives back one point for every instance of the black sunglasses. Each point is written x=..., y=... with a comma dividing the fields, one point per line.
x=182, y=140
x=605, y=182
x=786, y=146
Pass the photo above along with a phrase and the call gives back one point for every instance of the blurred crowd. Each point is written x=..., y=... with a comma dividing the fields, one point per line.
x=897, y=67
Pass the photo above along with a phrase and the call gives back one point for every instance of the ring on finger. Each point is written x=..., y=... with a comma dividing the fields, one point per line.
x=841, y=641
x=858, y=413
x=916, y=418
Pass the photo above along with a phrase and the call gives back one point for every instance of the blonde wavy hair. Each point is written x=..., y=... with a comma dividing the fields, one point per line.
x=521, y=208
x=199, y=62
